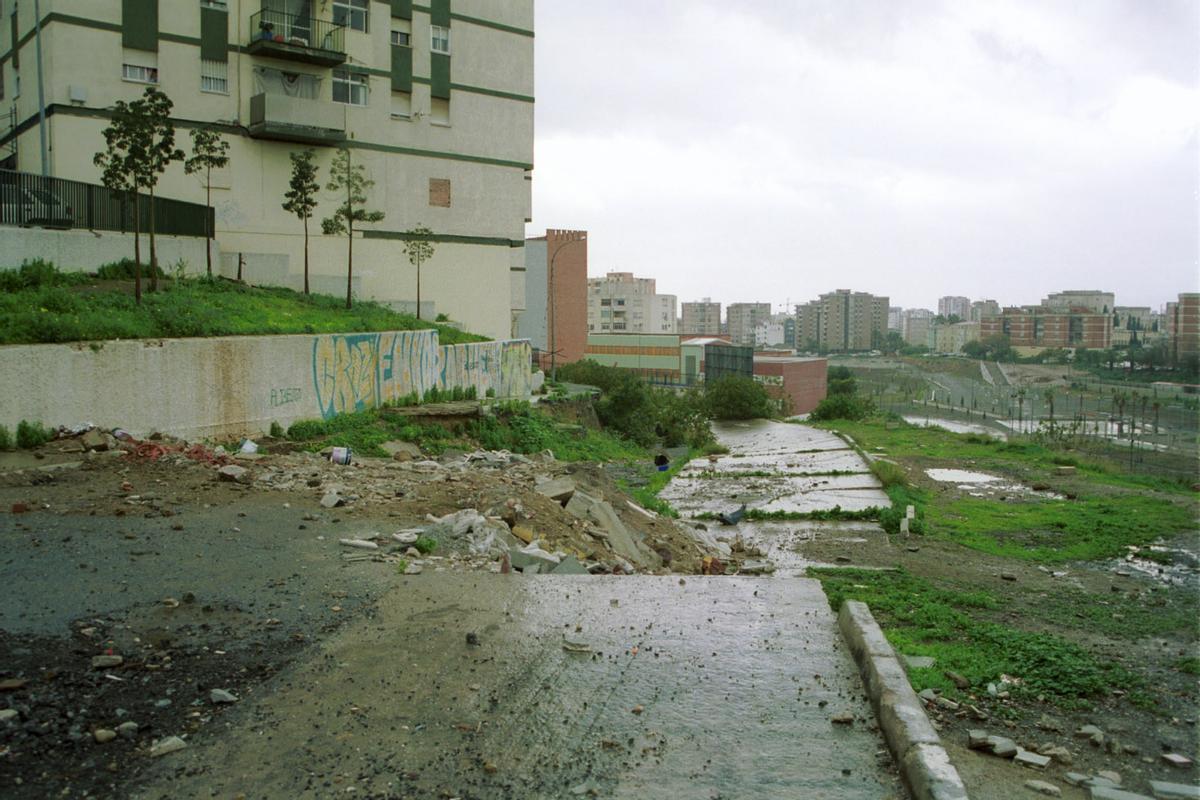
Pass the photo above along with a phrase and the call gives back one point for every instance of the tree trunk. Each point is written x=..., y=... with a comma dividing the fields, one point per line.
x=418, y=288
x=137, y=248
x=208, y=225
x=153, y=253
x=349, y=258
x=306, y=254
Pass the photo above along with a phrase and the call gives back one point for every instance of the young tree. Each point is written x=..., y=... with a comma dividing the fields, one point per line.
x=209, y=152
x=302, y=195
x=419, y=249
x=344, y=176
x=117, y=173
x=154, y=136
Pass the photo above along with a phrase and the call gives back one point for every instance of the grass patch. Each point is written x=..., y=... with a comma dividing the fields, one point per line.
x=830, y=514
x=919, y=618
x=1052, y=531
x=6, y=438
x=646, y=494
x=1158, y=612
x=50, y=306
x=32, y=434
x=1189, y=665
x=425, y=544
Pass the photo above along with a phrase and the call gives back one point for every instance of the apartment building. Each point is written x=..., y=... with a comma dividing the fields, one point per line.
x=1091, y=300
x=951, y=338
x=1037, y=328
x=622, y=303
x=554, y=319
x=894, y=313
x=701, y=318
x=1183, y=330
x=954, y=306
x=435, y=100
x=842, y=320
x=983, y=308
x=744, y=318
x=1134, y=324
x=915, y=325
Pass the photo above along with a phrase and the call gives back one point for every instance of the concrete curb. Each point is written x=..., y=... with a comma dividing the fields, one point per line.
x=915, y=745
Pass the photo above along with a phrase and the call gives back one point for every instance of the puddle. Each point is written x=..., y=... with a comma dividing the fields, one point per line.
x=954, y=426
x=1172, y=566
x=782, y=541
x=960, y=476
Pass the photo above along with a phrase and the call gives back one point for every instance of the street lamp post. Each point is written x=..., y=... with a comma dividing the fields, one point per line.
x=578, y=237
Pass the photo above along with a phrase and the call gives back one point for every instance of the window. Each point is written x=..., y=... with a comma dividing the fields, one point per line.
x=220, y=5
x=439, y=192
x=439, y=111
x=214, y=76
x=401, y=105
x=400, y=38
x=439, y=39
x=349, y=87
x=351, y=13
x=606, y=301
x=139, y=74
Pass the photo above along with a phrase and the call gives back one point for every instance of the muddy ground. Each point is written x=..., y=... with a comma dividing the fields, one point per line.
x=201, y=584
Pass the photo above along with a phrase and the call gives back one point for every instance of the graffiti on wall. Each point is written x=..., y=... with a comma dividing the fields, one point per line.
x=353, y=372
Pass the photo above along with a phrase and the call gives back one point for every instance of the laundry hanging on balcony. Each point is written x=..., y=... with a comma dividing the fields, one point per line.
x=292, y=84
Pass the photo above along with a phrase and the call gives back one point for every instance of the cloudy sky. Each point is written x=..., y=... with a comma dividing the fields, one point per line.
x=771, y=150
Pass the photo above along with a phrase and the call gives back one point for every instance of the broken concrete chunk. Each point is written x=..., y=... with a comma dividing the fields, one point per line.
x=234, y=474
x=977, y=739
x=756, y=568
x=332, y=500
x=222, y=696
x=1044, y=787
x=569, y=566
x=361, y=544
x=918, y=662
x=557, y=489
x=168, y=745
x=402, y=451
x=103, y=662
x=1110, y=793
x=94, y=440
x=1003, y=746
x=1032, y=760
x=1176, y=760
x=1174, y=791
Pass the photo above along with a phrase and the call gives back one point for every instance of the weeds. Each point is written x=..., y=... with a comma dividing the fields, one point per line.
x=6, y=438
x=32, y=434
x=425, y=544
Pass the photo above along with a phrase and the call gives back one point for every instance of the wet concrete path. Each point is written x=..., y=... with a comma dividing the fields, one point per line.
x=696, y=688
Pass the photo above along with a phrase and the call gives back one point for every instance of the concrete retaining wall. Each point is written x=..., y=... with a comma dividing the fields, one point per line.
x=85, y=251
x=241, y=384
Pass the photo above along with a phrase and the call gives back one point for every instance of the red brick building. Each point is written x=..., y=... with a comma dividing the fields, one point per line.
x=1035, y=327
x=555, y=315
x=1183, y=328
x=801, y=380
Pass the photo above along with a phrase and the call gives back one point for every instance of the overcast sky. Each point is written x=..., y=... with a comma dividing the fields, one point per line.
x=771, y=150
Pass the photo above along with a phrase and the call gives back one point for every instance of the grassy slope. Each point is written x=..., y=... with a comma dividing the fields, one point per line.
x=1111, y=509
x=71, y=308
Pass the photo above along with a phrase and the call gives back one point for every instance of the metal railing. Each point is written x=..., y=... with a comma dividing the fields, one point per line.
x=271, y=25
x=36, y=201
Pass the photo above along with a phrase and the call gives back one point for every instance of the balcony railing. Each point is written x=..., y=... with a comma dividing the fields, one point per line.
x=295, y=119
x=291, y=36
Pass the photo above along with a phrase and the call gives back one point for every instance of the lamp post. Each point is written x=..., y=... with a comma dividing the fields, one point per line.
x=576, y=237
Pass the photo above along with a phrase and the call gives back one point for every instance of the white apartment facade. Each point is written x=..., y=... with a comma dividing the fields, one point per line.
x=743, y=318
x=435, y=100
x=703, y=317
x=619, y=302
x=955, y=305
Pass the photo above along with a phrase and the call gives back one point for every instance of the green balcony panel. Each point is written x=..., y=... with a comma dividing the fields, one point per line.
x=439, y=75
x=439, y=13
x=402, y=9
x=214, y=34
x=139, y=24
x=401, y=68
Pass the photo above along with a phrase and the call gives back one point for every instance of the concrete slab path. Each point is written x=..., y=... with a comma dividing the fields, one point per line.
x=694, y=688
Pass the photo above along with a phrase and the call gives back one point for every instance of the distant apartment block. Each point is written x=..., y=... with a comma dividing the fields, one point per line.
x=983, y=308
x=1183, y=329
x=435, y=101
x=955, y=306
x=1039, y=328
x=1087, y=299
x=952, y=338
x=744, y=318
x=556, y=296
x=915, y=325
x=842, y=321
x=769, y=332
x=622, y=303
x=1135, y=324
x=701, y=318
x=894, y=313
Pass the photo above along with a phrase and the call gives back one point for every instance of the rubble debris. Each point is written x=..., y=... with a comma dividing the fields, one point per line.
x=732, y=517
x=170, y=744
x=221, y=696
x=557, y=489
x=234, y=474
x=362, y=544
x=332, y=500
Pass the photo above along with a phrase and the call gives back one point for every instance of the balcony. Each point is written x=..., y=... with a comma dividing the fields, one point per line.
x=297, y=38
x=295, y=119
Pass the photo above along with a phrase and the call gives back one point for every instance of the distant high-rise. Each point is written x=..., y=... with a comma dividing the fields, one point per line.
x=1183, y=330
x=1083, y=299
x=744, y=318
x=952, y=305
x=915, y=325
x=842, y=320
x=894, y=313
x=984, y=308
x=702, y=317
x=621, y=303
x=555, y=315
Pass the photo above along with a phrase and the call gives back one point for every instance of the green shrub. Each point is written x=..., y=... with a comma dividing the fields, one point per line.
x=843, y=406
x=32, y=434
x=425, y=544
x=841, y=381
x=123, y=270
x=738, y=397
x=6, y=440
x=277, y=431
